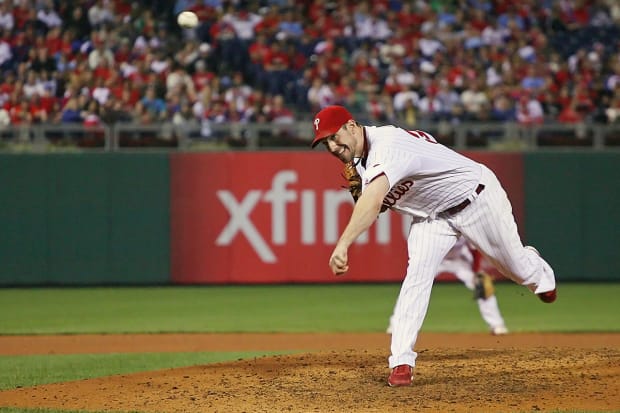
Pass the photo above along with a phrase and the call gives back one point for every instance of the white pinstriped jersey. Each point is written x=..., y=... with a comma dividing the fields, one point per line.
x=425, y=177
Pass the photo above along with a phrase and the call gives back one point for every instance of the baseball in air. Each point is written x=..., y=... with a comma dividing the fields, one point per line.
x=187, y=19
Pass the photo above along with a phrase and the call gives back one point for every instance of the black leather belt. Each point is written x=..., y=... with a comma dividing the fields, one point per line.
x=458, y=208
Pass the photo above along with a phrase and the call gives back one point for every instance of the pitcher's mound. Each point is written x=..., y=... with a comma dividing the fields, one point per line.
x=446, y=380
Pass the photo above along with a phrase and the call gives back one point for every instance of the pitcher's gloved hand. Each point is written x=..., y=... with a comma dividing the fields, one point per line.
x=483, y=286
x=354, y=180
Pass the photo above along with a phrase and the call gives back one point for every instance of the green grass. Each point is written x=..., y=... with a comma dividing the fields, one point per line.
x=195, y=309
x=579, y=308
x=297, y=308
x=22, y=371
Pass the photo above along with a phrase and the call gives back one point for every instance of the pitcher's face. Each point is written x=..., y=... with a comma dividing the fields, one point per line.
x=342, y=144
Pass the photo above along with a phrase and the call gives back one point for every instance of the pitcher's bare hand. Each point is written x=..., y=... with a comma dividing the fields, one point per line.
x=339, y=261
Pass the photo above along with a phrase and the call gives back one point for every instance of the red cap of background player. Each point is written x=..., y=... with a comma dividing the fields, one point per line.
x=328, y=121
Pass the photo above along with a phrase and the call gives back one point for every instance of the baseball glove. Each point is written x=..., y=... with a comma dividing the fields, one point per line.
x=354, y=180
x=483, y=286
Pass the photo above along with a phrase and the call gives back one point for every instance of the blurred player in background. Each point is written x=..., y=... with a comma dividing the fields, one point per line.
x=465, y=262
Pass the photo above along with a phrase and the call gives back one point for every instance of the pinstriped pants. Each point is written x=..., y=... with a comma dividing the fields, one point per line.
x=488, y=224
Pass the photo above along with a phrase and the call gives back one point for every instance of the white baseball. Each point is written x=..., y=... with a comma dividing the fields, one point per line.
x=187, y=19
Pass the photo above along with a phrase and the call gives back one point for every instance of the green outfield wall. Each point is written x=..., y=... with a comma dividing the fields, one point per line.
x=101, y=218
x=573, y=212
x=84, y=219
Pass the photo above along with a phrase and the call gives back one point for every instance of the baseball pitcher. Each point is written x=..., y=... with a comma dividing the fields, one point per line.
x=447, y=195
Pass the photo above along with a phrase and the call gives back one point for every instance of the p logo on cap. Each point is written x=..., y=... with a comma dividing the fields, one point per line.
x=328, y=121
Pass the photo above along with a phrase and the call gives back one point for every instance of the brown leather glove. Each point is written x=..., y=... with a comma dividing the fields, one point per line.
x=483, y=286
x=354, y=180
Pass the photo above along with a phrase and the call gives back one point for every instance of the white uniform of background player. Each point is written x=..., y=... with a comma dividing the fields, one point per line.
x=460, y=262
x=447, y=195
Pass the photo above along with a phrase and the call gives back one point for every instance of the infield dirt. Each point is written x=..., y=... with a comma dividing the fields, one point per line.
x=339, y=373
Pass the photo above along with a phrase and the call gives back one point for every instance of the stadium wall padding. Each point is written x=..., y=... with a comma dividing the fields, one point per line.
x=156, y=218
x=573, y=212
x=82, y=219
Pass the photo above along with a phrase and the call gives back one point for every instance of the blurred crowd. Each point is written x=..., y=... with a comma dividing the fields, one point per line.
x=278, y=61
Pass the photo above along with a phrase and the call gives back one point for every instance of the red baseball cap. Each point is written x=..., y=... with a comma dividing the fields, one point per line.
x=328, y=121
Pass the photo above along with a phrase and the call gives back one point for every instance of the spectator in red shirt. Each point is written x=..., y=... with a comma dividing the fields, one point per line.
x=409, y=18
x=49, y=101
x=478, y=19
x=364, y=71
x=345, y=91
x=22, y=13
x=38, y=112
x=297, y=60
x=54, y=40
x=584, y=102
x=276, y=57
x=201, y=76
x=569, y=113
x=575, y=14
x=104, y=69
x=123, y=52
x=7, y=86
x=20, y=113
x=268, y=26
x=258, y=49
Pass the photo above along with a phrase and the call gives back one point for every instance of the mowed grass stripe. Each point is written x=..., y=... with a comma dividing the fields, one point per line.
x=293, y=308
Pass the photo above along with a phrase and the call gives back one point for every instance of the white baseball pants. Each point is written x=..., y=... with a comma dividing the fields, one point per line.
x=488, y=224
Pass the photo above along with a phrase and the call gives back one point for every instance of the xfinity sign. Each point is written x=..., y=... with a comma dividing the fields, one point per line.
x=279, y=196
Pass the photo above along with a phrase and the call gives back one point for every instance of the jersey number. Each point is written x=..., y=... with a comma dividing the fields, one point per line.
x=422, y=135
